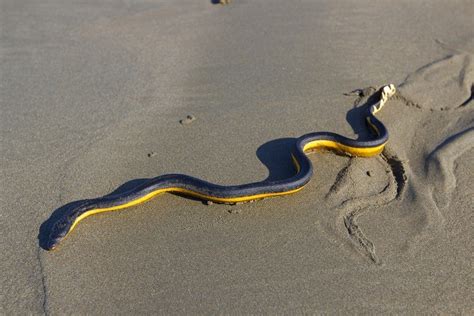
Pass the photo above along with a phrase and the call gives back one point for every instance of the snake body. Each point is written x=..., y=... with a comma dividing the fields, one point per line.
x=190, y=186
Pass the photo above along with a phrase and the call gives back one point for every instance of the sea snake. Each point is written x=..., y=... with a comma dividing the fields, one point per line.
x=190, y=186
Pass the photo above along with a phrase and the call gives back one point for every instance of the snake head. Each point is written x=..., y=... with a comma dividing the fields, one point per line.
x=58, y=232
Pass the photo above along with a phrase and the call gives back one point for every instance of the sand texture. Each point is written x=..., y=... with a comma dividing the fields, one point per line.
x=97, y=96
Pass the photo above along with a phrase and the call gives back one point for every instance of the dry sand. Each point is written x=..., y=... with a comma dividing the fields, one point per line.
x=92, y=94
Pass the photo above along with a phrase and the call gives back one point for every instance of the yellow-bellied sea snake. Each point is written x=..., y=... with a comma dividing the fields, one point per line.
x=201, y=189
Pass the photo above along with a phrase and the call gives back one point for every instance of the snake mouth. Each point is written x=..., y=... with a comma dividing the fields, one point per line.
x=51, y=244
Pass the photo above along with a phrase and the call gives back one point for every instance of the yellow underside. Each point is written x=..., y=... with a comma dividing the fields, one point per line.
x=354, y=151
x=185, y=192
x=317, y=144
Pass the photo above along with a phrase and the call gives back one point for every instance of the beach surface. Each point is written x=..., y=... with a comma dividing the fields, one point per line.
x=92, y=95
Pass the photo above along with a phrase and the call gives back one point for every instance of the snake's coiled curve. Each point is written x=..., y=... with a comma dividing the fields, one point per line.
x=204, y=190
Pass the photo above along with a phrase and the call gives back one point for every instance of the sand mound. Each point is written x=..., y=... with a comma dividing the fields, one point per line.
x=445, y=84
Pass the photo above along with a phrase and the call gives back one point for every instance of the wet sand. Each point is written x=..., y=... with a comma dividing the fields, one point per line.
x=96, y=97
